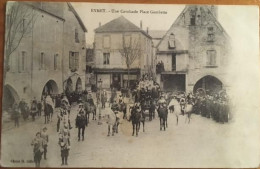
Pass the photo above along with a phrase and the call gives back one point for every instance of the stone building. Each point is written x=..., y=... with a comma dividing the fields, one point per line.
x=41, y=63
x=110, y=42
x=195, y=52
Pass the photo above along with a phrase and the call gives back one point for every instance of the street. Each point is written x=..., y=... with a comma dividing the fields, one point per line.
x=196, y=143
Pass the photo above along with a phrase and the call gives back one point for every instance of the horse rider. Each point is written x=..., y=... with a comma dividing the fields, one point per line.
x=45, y=137
x=81, y=121
x=161, y=101
x=37, y=144
x=64, y=142
x=182, y=104
x=34, y=109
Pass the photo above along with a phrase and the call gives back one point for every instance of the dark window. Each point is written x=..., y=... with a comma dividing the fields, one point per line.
x=56, y=56
x=22, y=62
x=42, y=58
x=106, y=58
x=76, y=36
x=173, y=62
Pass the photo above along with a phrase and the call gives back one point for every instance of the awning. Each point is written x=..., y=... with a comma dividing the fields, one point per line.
x=116, y=70
x=174, y=72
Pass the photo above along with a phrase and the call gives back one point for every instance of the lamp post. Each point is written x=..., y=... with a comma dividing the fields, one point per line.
x=100, y=90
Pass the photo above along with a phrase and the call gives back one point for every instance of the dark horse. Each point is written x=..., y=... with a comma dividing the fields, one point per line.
x=48, y=112
x=136, y=118
x=163, y=114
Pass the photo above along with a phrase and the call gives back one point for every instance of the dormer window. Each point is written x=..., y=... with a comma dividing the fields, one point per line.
x=171, y=42
x=211, y=34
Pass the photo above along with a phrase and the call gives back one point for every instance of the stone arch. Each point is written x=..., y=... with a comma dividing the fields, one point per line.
x=10, y=97
x=50, y=88
x=209, y=83
x=78, y=85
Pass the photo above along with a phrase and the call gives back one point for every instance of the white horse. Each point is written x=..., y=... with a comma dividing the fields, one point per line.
x=175, y=107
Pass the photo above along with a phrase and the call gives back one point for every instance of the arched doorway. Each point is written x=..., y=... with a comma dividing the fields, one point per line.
x=69, y=87
x=50, y=88
x=210, y=84
x=78, y=85
x=10, y=97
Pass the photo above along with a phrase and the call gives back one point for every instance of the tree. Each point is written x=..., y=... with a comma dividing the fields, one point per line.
x=19, y=24
x=131, y=49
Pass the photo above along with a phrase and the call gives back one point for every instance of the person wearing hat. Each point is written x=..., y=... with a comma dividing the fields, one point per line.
x=64, y=142
x=37, y=144
x=45, y=137
x=81, y=121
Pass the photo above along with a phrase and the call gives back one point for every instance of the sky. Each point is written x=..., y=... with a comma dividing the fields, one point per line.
x=227, y=15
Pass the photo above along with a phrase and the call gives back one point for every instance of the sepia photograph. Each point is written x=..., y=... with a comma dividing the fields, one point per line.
x=130, y=85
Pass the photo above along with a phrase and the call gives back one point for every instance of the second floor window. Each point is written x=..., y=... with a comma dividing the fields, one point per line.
x=42, y=60
x=106, y=58
x=73, y=60
x=56, y=56
x=76, y=36
x=211, y=58
x=22, y=62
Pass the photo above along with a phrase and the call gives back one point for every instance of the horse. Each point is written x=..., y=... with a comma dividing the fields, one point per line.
x=48, y=112
x=163, y=114
x=184, y=109
x=136, y=118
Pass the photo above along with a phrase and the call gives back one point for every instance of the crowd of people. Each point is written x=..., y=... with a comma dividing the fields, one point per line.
x=215, y=106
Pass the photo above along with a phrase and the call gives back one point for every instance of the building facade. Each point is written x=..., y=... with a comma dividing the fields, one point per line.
x=116, y=41
x=195, y=52
x=38, y=66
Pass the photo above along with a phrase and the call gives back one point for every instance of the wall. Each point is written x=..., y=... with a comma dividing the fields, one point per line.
x=70, y=24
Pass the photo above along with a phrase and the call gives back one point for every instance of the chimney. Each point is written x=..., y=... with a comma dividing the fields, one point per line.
x=147, y=30
x=141, y=24
x=99, y=24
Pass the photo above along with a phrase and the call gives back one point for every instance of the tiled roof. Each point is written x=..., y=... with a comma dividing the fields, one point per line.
x=120, y=24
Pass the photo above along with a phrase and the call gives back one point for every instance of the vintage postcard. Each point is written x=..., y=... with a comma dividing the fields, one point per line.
x=130, y=85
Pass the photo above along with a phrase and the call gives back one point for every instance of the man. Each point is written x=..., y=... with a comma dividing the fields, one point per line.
x=34, y=109
x=115, y=106
x=64, y=142
x=45, y=137
x=81, y=121
x=103, y=98
x=37, y=144
x=16, y=115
